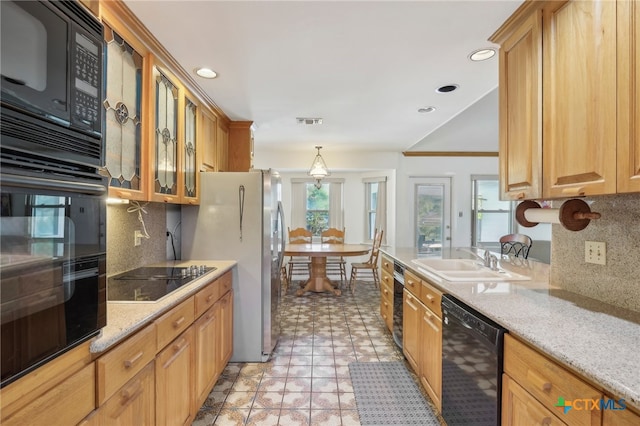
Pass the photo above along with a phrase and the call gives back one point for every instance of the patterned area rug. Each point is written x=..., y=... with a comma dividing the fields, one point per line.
x=387, y=395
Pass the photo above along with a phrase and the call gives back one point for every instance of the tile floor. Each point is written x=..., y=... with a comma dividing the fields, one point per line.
x=306, y=381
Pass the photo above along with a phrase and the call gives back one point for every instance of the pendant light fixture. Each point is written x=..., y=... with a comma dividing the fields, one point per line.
x=318, y=169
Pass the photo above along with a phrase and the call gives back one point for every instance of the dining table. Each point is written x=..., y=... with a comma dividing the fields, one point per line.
x=318, y=281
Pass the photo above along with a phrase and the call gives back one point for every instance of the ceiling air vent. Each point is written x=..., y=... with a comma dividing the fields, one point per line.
x=309, y=121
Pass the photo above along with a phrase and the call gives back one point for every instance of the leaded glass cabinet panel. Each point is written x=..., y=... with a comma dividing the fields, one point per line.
x=189, y=155
x=123, y=113
x=166, y=131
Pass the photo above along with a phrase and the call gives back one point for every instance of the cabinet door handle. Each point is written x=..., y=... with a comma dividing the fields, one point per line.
x=573, y=191
x=178, y=346
x=176, y=323
x=128, y=396
x=546, y=421
x=430, y=297
x=124, y=194
x=520, y=196
x=539, y=381
x=210, y=298
x=129, y=363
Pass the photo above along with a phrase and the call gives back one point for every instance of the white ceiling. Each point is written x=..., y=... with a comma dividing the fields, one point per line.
x=364, y=67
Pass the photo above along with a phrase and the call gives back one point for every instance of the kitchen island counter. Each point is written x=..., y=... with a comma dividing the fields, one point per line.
x=125, y=318
x=594, y=339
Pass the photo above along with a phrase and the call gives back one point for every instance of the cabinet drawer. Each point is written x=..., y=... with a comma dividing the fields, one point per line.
x=386, y=292
x=224, y=284
x=206, y=298
x=386, y=313
x=387, y=264
x=66, y=404
x=412, y=283
x=520, y=408
x=133, y=404
x=174, y=322
x=547, y=381
x=386, y=278
x=119, y=365
x=431, y=297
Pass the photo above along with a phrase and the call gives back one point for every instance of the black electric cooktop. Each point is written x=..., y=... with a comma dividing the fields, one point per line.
x=149, y=284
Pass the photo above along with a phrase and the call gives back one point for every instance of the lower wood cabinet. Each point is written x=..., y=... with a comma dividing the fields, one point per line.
x=225, y=330
x=133, y=404
x=543, y=382
x=411, y=314
x=422, y=333
x=520, y=409
x=175, y=381
x=163, y=374
x=65, y=404
x=430, y=357
x=60, y=392
x=386, y=301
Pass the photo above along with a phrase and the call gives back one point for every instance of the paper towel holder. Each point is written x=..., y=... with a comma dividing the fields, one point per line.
x=573, y=214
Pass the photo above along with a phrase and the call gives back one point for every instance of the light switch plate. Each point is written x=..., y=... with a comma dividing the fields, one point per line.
x=595, y=252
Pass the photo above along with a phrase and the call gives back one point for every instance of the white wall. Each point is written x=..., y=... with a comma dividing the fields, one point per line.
x=459, y=169
x=356, y=165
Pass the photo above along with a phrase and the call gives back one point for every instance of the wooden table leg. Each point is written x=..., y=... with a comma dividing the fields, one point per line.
x=318, y=281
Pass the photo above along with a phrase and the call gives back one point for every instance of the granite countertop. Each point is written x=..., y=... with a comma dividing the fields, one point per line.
x=597, y=340
x=124, y=318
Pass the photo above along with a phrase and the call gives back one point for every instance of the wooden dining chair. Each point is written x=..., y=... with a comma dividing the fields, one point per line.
x=516, y=244
x=299, y=265
x=370, y=267
x=335, y=264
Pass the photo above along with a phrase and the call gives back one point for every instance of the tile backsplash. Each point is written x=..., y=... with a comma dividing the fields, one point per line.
x=617, y=282
x=122, y=255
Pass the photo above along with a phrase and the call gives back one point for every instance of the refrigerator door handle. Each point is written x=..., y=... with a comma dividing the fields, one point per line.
x=282, y=240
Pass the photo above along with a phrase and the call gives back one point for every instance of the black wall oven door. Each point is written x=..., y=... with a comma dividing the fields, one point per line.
x=52, y=269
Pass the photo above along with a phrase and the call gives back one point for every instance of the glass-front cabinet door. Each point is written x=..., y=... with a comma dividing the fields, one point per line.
x=190, y=187
x=164, y=156
x=124, y=114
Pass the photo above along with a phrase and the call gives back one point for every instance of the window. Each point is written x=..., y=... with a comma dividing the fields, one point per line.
x=317, y=208
x=371, y=202
x=492, y=218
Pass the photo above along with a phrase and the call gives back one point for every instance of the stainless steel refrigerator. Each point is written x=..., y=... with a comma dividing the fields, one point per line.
x=240, y=218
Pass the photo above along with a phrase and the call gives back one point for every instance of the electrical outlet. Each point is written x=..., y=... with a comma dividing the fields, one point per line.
x=137, y=236
x=595, y=252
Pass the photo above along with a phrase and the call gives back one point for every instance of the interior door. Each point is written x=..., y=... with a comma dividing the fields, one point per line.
x=431, y=214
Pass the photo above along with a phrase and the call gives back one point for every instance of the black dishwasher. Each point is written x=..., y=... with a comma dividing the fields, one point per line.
x=471, y=365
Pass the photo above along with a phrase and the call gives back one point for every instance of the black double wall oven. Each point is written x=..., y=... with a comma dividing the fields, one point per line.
x=53, y=198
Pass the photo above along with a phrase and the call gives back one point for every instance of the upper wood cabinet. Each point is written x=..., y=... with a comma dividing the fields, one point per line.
x=126, y=111
x=569, y=95
x=579, y=92
x=240, y=154
x=191, y=151
x=521, y=111
x=222, y=147
x=208, y=133
x=161, y=128
x=164, y=152
x=628, y=96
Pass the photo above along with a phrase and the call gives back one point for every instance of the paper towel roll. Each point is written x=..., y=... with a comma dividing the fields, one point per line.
x=542, y=215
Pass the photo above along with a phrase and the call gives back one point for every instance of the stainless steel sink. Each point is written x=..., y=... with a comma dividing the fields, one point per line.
x=466, y=270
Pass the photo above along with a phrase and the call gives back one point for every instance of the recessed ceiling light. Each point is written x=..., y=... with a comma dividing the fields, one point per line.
x=206, y=73
x=448, y=88
x=482, y=54
x=425, y=110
